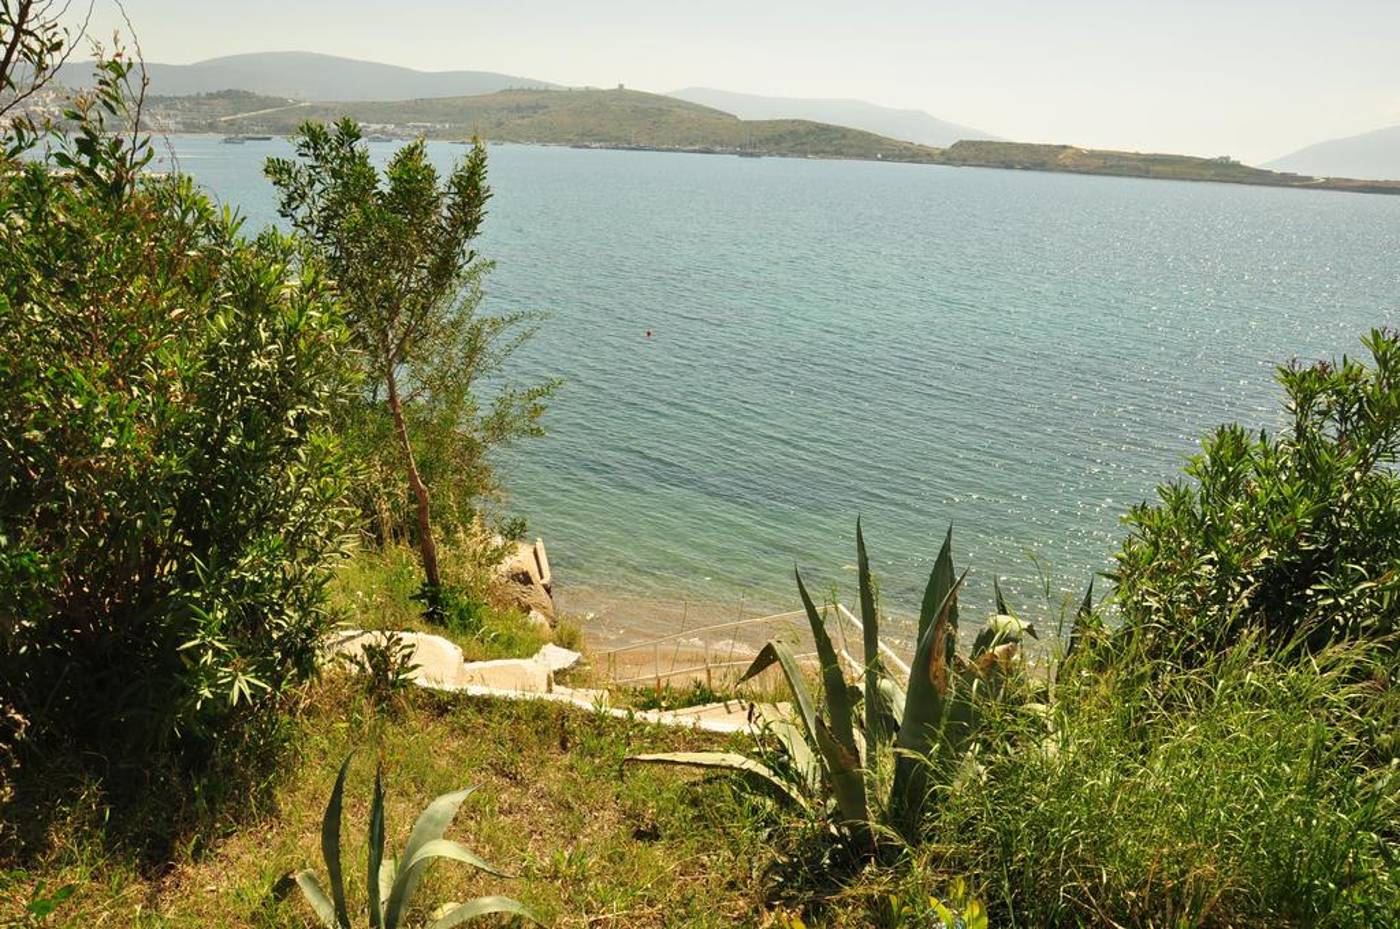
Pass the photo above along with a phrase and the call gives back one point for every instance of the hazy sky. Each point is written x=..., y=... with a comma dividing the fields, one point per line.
x=1250, y=78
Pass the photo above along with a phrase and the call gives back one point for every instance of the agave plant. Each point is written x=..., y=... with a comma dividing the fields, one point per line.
x=392, y=882
x=929, y=719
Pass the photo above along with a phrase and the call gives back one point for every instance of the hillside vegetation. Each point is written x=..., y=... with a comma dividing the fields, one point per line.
x=1068, y=158
x=603, y=118
x=632, y=119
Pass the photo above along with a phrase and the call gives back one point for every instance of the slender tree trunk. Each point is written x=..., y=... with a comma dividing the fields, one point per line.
x=415, y=481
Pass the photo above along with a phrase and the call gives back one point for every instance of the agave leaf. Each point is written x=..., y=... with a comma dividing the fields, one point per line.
x=481, y=906
x=414, y=867
x=1002, y=608
x=928, y=700
x=330, y=846
x=388, y=871
x=376, y=851
x=1082, y=619
x=755, y=772
x=316, y=896
x=777, y=652
x=838, y=698
x=1001, y=629
x=876, y=706
x=939, y=583
x=892, y=699
x=847, y=781
x=431, y=824
x=804, y=761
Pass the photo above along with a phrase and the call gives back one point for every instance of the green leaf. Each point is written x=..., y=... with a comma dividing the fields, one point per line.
x=777, y=652
x=939, y=583
x=1002, y=608
x=388, y=871
x=892, y=698
x=330, y=846
x=838, y=700
x=453, y=851
x=876, y=707
x=803, y=760
x=376, y=851
x=431, y=824
x=316, y=896
x=999, y=630
x=1083, y=618
x=755, y=772
x=929, y=697
x=482, y=906
x=847, y=781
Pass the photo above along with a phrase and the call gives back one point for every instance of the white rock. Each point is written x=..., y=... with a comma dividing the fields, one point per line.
x=521, y=674
x=439, y=661
x=557, y=659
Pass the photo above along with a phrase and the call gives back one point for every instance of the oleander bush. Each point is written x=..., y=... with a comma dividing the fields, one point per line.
x=1294, y=534
x=171, y=492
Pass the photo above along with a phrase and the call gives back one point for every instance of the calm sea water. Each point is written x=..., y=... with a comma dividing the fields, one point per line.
x=1021, y=355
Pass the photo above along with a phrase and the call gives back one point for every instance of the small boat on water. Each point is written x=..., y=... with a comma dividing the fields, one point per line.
x=240, y=139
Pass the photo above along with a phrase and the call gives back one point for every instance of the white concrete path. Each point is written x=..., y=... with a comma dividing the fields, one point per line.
x=441, y=667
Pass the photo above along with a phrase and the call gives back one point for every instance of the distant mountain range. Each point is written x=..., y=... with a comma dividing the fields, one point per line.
x=266, y=93
x=1370, y=155
x=905, y=125
x=310, y=76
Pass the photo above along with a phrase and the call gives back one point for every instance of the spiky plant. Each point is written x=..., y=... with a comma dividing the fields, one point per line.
x=835, y=754
x=392, y=882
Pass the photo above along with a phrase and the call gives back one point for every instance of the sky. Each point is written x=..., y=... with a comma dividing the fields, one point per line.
x=1246, y=78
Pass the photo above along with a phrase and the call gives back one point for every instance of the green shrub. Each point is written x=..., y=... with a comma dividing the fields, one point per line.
x=385, y=666
x=437, y=395
x=170, y=490
x=1240, y=792
x=1296, y=534
x=455, y=608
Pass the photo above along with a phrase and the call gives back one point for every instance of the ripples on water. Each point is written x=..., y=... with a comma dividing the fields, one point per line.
x=1022, y=355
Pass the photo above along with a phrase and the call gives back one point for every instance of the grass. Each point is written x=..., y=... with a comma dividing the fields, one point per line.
x=374, y=590
x=1248, y=792
x=590, y=847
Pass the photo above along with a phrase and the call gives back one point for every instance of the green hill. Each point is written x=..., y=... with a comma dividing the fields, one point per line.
x=603, y=118
x=1071, y=159
x=631, y=119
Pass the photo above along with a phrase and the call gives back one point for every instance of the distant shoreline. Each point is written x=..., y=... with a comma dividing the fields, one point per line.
x=1005, y=156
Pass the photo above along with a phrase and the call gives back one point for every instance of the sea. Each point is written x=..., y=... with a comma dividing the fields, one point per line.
x=755, y=352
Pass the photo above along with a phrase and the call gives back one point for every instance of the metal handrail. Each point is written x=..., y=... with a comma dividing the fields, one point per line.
x=697, y=669
x=649, y=643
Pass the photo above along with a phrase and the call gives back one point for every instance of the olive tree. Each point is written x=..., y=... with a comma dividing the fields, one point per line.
x=399, y=246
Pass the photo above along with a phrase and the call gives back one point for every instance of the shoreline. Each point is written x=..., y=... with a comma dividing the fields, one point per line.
x=949, y=157
x=613, y=621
